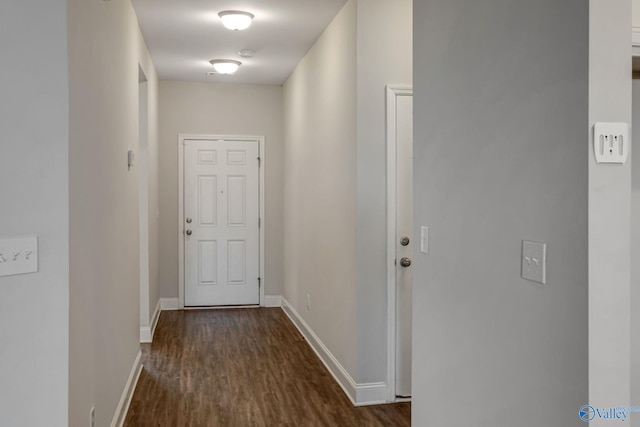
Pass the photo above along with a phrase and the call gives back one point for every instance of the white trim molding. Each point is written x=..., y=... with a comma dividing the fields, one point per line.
x=273, y=301
x=169, y=304
x=145, y=335
x=359, y=394
x=393, y=92
x=147, y=332
x=262, y=150
x=371, y=394
x=635, y=36
x=154, y=320
x=125, y=400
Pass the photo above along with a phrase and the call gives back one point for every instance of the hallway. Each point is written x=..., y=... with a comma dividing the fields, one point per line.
x=242, y=367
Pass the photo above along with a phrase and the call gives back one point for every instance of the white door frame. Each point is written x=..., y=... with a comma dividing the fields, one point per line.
x=393, y=92
x=182, y=138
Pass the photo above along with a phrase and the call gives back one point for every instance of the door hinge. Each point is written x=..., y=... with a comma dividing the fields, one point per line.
x=259, y=162
x=259, y=282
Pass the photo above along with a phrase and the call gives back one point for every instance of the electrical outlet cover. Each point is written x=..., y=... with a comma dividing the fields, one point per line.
x=611, y=143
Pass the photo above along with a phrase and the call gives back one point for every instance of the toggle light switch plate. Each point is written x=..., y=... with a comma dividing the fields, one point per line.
x=18, y=256
x=534, y=261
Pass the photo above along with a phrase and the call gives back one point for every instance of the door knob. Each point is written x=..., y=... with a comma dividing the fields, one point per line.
x=404, y=240
x=189, y=233
x=188, y=220
x=405, y=262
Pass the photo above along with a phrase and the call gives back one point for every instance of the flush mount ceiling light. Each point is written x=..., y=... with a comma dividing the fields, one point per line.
x=225, y=66
x=235, y=19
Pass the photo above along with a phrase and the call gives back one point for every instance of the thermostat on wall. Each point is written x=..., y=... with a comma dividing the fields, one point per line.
x=611, y=142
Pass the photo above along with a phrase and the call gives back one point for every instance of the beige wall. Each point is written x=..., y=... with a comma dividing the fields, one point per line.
x=384, y=57
x=335, y=222
x=220, y=109
x=105, y=50
x=34, y=201
x=320, y=187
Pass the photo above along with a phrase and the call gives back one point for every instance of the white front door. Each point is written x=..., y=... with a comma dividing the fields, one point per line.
x=221, y=214
x=404, y=242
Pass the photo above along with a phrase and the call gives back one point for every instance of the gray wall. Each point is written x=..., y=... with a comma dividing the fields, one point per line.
x=220, y=109
x=105, y=51
x=635, y=254
x=34, y=200
x=501, y=122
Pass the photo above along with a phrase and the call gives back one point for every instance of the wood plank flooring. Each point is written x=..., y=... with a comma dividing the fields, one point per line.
x=242, y=367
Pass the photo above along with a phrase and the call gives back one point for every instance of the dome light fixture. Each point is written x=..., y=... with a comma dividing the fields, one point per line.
x=236, y=20
x=225, y=66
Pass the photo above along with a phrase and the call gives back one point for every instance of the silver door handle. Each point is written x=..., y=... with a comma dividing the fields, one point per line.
x=189, y=232
x=404, y=240
x=188, y=220
x=405, y=262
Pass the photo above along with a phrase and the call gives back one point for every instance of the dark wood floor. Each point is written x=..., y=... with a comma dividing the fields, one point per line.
x=242, y=367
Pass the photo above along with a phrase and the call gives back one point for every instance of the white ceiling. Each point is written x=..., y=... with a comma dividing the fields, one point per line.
x=183, y=35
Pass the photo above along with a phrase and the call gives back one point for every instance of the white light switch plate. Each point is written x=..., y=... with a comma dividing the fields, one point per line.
x=18, y=256
x=534, y=260
x=424, y=240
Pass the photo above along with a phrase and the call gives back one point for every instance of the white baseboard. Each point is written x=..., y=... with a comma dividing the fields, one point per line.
x=359, y=394
x=146, y=332
x=273, y=301
x=154, y=321
x=169, y=304
x=127, y=393
x=145, y=335
x=371, y=394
